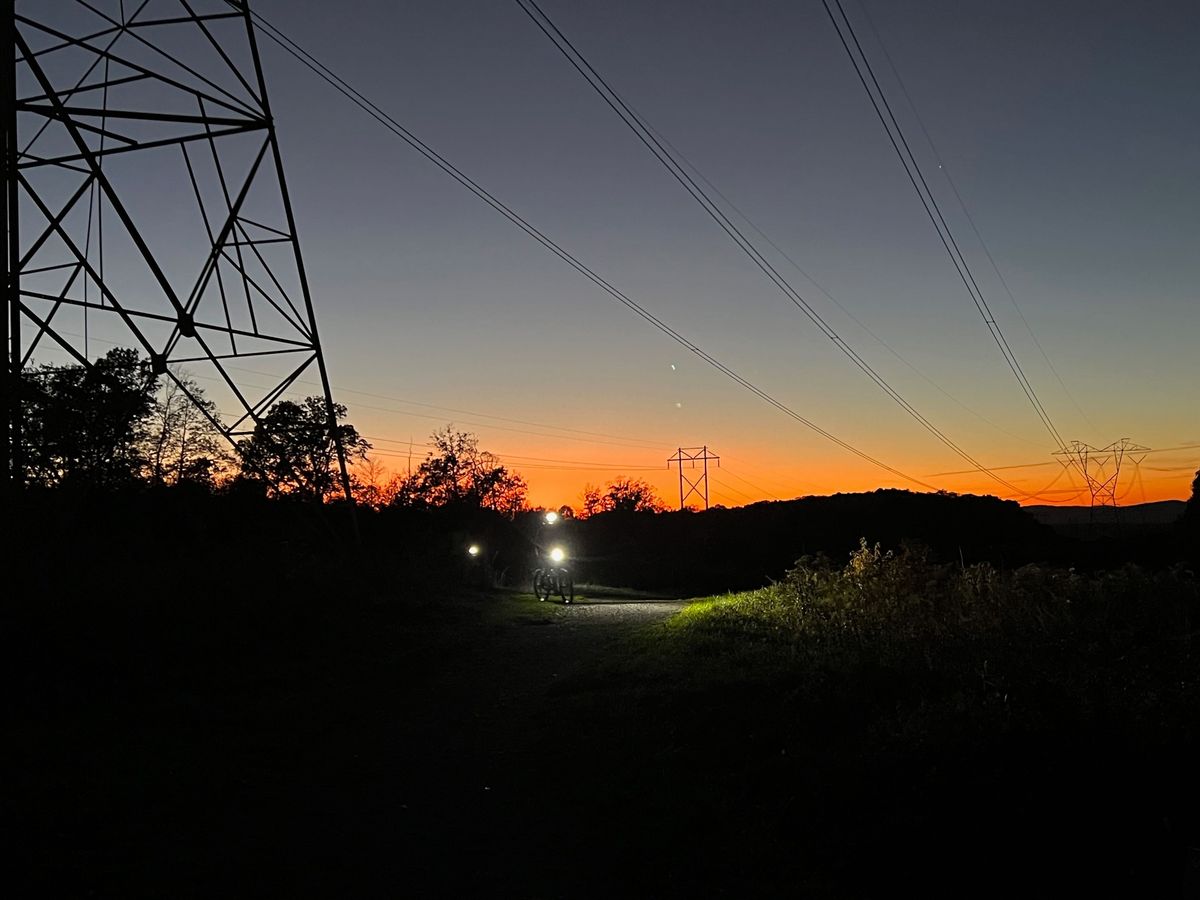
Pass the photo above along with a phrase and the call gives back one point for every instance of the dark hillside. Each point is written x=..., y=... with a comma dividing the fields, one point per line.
x=731, y=549
x=1160, y=513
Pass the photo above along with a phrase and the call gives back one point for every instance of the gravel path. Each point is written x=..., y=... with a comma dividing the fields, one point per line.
x=474, y=752
x=615, y=612
x=502, y=674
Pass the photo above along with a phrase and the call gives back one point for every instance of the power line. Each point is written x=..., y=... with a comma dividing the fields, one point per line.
x=607, y=438
x=525, y=462
x=664, y=156
x=732, y=490
x=536, y=462
x=967, y=213
x=762, y=490
x=632, y=441
x=643, y=467
x=574, y=434
x=549, y=466
x=556, y=464
x=770, y=476
x=879, y=101
x=567, y=464
x=816, y=284
x=1062, y=470
x=340, y=85
x=1052, y=463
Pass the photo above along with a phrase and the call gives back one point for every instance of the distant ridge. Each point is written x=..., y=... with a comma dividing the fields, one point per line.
x=1161, y=512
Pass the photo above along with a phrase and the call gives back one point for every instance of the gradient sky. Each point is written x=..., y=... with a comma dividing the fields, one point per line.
x=1072, y=131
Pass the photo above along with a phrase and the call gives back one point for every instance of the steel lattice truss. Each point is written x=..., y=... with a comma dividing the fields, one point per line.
x=696, y=484
x=151, y=201
x=1101, y=466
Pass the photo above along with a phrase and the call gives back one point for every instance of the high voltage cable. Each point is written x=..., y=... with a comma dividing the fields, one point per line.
x=763, y=475
x=617, y=439
x=1037, y=464
x=664, y=156
x=613, y=439
x=966, y=212
x=1049, y=488
x=644, y=467
x=549, y=466
x=762, y=490
x=404, y=412
x=528, y=462
x=533, y=462
x=446, y=166
x=729, y=489
x=820, y=288
x=566, y=464
x=879, y=101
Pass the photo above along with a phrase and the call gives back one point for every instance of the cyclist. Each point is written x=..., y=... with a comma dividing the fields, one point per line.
x=552, y=576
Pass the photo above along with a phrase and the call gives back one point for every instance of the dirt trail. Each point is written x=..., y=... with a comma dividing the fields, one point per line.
x=501, y=675
x=475, y=753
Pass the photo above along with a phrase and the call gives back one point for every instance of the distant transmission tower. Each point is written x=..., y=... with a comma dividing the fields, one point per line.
x=145, y=203
x=688, y=459
x=1101, y=467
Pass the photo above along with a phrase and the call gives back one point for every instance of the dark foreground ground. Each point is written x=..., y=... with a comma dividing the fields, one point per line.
x=475, y=745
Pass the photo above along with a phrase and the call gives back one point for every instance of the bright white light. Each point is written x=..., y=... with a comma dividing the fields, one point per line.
x=557, y=554
x=551, y=517
x=473, y=549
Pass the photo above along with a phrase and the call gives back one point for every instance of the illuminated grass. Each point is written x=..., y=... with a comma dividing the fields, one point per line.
x=907, y=637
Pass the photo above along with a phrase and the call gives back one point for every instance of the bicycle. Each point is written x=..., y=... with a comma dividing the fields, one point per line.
x=554, y=579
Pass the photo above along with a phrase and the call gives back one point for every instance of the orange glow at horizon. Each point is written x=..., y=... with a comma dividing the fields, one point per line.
x=551, y=489
x=557, y=474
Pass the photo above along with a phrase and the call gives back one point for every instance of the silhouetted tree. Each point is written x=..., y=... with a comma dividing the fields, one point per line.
x=593, y=501
x=182, y=444
x=87, y=424
x=373, y=485
x=457, y=472
x=294, y=451
x=621, y=495
x=632, y=495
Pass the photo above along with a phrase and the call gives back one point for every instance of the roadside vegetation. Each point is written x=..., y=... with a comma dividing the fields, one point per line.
x=891, y=717
x=923, y=642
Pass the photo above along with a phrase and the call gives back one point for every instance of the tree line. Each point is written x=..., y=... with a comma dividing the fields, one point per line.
x=116, y=424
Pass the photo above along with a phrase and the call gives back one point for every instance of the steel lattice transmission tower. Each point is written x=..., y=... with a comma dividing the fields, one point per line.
x=146, y=204
x=1101, y=466
x=688, y=459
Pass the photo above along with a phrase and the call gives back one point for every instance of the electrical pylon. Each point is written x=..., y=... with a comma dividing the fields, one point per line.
x=687, y=458
x=1101, y=467
x=146, y=204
